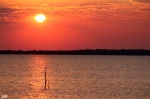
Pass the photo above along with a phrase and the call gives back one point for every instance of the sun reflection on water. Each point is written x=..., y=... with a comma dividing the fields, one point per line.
x=37, y=71
x=36, y=80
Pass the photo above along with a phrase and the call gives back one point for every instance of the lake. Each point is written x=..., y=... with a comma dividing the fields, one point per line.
x=75, y=77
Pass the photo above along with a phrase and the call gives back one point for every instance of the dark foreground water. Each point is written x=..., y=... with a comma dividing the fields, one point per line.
x=75, y=77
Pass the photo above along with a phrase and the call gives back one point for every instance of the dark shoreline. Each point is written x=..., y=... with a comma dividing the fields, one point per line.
x=81, y=52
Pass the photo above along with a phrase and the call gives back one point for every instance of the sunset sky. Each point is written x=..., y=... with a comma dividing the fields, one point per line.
x=75, y=24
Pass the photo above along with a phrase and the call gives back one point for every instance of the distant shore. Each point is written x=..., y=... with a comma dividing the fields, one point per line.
x=81, y=52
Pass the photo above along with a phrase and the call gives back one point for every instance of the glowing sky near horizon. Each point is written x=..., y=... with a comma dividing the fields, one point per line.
x=75, y=24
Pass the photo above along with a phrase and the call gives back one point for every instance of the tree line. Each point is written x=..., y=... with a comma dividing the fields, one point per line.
x=81, y=52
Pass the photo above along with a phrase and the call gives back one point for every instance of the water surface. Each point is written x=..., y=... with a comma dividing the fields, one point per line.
x=75, y=77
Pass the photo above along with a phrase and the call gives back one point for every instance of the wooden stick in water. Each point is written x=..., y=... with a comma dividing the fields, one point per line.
x=45, y=77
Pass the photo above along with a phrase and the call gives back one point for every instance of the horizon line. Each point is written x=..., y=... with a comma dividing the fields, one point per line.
x=67, y=49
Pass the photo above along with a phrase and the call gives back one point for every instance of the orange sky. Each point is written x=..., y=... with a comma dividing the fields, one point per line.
x=75, y=24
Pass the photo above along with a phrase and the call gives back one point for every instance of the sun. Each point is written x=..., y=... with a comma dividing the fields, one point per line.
x=40, y=18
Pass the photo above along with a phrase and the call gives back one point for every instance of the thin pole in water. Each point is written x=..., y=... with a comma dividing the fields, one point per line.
x=45, y=77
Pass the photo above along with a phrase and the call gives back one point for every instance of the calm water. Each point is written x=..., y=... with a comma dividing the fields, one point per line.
x=75, y=77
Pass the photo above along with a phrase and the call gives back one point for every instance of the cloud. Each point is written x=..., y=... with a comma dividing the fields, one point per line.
x=145, y=9
x=93, y=3
x=145, y=4
x=141, y=1
x=5, y=14
x=6, y=10
x=9, y=14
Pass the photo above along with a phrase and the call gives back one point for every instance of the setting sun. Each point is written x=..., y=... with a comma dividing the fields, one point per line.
x=40, y=18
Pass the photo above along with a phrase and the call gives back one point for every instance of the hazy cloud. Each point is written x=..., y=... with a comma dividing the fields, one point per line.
x=105, y=11
x=142, y=1
x=6, y=10
x=5, y=13
x=93, y=3
x=145, y=9
x=15, y=13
